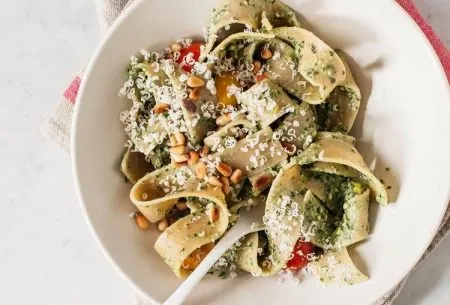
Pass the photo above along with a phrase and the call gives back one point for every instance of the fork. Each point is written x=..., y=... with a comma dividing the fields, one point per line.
x=248, y=222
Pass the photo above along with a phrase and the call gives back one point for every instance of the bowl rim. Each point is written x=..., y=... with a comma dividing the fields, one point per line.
x=128, y=10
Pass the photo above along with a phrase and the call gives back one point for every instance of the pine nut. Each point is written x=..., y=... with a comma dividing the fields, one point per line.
x=162, y=224
x=201, y=171
x=181, y=206
x=161, y=108
x=225, y=185
x=176, y=47
x=193, y=157
x=178, y=150
x=223, y=120
x=141, y=221
x=173, y=141
x=236, y=176
x=205, y=151
x=214, y=181
x=195, y=82
x=212, y=212
x=224, y=169
x=181, y=140
x=194, y=94
x=266, y=54
x=256, y=66
x=179, y=158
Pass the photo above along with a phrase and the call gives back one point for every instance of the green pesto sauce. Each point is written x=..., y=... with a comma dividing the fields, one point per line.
x=331, y=221
x=160, y=156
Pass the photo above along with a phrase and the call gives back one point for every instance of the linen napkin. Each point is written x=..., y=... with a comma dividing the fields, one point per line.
x=58, y=127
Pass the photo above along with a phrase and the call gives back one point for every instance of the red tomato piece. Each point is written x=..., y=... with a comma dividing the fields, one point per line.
x=300, y=258
x=193, y=49
x=261, y=77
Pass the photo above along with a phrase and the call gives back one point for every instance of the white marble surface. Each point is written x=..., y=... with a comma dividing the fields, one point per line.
x=47, y=255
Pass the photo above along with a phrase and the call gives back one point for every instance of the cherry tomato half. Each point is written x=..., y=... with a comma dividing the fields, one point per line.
x=300, y=259
x=194, y=48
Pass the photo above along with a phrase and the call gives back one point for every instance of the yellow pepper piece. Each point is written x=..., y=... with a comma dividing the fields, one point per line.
x=357, y=188
x=195, y=258
x=222, y=84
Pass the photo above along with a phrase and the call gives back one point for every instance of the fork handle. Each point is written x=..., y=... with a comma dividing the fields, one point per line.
x=194, y=278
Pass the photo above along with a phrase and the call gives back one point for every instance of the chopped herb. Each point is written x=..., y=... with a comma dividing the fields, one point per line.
x=223, y=275
x=312, y=73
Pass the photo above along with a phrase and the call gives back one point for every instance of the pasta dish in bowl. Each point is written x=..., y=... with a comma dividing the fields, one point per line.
x=260, y=116
x=266, y=110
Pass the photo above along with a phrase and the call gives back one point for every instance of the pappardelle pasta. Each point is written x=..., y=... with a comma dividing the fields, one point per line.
x=258, y=114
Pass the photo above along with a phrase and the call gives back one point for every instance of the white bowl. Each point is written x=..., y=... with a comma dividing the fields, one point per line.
x=403, y=124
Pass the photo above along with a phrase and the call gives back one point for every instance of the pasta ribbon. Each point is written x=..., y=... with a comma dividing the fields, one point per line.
x=339, y=152
x=233, y=16
x=337, y=268
x=341, y=107
x=189, y=233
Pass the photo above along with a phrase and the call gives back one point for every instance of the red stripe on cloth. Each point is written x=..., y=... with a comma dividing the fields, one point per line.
x=442, y=52
x=72, y=91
